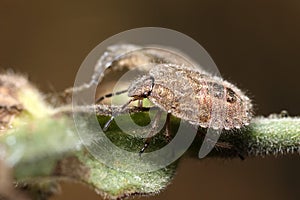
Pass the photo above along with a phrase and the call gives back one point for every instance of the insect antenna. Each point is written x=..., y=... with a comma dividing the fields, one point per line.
x=109, y=95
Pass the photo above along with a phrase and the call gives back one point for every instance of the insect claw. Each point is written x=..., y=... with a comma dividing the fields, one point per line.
x=241, y=156
x=146, y=144
x=168, y=138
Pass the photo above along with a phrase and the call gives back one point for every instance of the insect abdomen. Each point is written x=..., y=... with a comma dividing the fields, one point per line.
x=198, y=98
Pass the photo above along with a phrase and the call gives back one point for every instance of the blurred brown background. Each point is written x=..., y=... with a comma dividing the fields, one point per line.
x=255, y=44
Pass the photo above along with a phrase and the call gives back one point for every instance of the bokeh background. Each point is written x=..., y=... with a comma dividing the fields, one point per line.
x=255, y=44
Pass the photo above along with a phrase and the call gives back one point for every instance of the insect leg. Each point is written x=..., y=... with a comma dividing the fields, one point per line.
x=226, y=145
x=168, y=127
x=115, y=114
x=222, y=145
x=152, y=131
x=140, y=103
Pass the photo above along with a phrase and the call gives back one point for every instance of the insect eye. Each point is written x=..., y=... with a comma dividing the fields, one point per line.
x=146, y=94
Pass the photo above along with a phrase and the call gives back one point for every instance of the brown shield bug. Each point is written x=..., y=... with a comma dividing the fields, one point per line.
x=192, y=95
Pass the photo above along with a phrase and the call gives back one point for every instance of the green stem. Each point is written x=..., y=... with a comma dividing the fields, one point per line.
x=49, y=147
x=273, y=136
